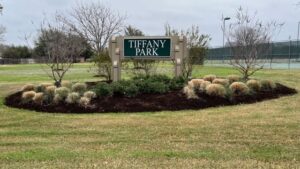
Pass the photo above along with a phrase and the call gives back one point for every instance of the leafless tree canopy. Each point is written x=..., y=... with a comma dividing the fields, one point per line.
x=96, y=22
x=249, y=40
x=62, y=45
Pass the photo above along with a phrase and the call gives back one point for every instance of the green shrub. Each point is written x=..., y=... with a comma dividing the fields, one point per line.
x=79, y=87
x=267, y=85
x=153, y=78
x=28, y=87
x=254, y=85
x=125, y=88
x=224, y=82
x=233, y=78
x=209, y=77
x=73, y=98
x=62, y=92
x=28, y=96
x=239, y=88
x=177, y=83
x=154, y=87
x=216, y=90
x=103, y=89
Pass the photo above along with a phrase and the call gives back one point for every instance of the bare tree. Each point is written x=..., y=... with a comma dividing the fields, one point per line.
x=249, y=41
x=196, y=43
x=61, y=47
x=96, y=23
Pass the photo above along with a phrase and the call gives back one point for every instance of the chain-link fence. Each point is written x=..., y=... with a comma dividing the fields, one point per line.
x=280, y=55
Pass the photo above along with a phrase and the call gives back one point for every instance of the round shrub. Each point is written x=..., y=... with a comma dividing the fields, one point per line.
x=38, y=98
x=203, y=85
x=103, y=89
x=62, y=92
x=233, y=78
x=216, y=90
x=84, y=101
x=90, y=94
x=79, y=87
x=73, y=98
x=28, y=87
x=195, y=83
x=224, y=82
x=254, y=85
x=156, y=87
x=189, y=92
x=28, y=96
x=57, y=98
x=239, y=88
x=66, y=84
x=209, y=77
x=50, y=90
x=177, y=83
x=267, y=85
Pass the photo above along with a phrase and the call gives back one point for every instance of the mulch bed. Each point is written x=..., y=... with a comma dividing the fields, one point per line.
x=171, y=101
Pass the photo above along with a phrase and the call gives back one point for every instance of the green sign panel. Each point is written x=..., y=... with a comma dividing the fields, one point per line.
x=147, y=48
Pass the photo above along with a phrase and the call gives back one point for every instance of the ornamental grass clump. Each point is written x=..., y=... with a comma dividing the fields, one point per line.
x=216, y=90
x=233, y=78
x=254, y=85
x=50, y=90
x=28, y=96
x=84, y=102
x=28, y=87
x=62, y=92
x=209, y=77
x=73, y=98
x=66, y=84
x=38, y=98
x=90, y=95
x=239, y=89
x=203, y=85
x=267, y=85
x=195, y=83
x=224, y=82
x=189, y=92
x=79, y=87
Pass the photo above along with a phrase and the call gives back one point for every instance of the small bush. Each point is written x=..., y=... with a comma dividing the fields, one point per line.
x=224, y=82
x=155, y=87
x=57, y=98
x=233, y=78
x=103, y=89
x=254, y=85
x=50, y=90
x=216, y=90
x=125, y=88
x=195, y=83
x=90, y=94
x=209, y=77
x=267, y=85
x=28, y=87
x=66, y=84
x=189, y=92
x=177, y=83
x=63, y=92
x=239, y=88
x=73, y=98
x=79, y=87
x=84, y=101
x=38, y=98
x=203, y=85
x=28, y=96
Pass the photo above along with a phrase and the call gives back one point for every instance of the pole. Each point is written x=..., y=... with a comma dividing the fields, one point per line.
x=223, y=39
x=290, y=53
x=298, y=40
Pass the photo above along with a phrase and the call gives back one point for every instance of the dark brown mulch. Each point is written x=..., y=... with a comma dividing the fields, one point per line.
x=172, y=101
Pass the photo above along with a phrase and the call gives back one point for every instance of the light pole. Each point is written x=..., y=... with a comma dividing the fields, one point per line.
x=224, y=19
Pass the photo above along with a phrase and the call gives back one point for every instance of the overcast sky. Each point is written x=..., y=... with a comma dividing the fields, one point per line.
x=22, y=17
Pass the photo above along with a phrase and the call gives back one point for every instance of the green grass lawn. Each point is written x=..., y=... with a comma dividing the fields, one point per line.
x=261, y=135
